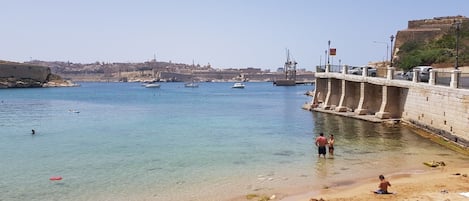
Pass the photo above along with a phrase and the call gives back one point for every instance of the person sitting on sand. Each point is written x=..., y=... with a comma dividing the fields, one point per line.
x=383, y=186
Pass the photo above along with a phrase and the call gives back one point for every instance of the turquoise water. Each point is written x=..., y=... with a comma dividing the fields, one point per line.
x=173, y=143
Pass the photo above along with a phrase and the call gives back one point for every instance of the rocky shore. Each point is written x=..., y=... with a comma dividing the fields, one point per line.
x=17, y=75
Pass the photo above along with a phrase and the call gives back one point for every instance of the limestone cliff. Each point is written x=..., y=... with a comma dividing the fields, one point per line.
x=17, y=75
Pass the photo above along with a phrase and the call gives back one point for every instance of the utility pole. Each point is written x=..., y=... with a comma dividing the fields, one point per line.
x=458, y=28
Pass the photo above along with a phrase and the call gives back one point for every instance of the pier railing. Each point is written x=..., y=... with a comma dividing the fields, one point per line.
x=454, y=78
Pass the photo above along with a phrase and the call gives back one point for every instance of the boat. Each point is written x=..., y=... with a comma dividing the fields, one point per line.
x=290, y=73
x=152, y=85
x=191, y=85
x=238, y=85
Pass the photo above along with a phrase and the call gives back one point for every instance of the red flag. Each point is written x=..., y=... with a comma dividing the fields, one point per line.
x=332, y=51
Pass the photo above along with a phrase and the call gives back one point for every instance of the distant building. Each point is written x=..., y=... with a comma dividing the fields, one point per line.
x=250, y=70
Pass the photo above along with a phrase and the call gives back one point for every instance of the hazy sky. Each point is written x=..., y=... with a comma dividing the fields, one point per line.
x=224, y=33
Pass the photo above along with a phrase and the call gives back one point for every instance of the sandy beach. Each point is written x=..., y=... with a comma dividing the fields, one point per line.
x=437, y=184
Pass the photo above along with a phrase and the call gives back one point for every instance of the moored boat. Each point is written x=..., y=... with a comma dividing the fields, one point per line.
x=191, y=85
x=238, y=85
x=152, y=85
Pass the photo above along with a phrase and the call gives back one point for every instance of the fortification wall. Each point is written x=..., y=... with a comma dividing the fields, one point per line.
x=443, y=23
x=22, y=71
x=417, y=36
x=426, y=29
x=16, y=75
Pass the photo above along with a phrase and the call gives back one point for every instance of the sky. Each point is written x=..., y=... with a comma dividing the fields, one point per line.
x=224, y=33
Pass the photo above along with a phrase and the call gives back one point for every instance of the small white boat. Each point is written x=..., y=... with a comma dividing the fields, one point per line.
x=238, y=85
x=152, y=85
x=191, y=85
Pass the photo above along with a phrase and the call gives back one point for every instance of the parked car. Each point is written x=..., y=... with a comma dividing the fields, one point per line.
x=355, y=70
x=424, y=73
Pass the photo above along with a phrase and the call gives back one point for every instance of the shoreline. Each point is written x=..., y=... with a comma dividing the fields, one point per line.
x=440, y=183
x=419, y=184
x=437, y=183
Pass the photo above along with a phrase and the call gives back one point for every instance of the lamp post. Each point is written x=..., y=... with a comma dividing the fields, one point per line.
x=328, y=49
x=387, y=48
x=392, y=50
x=325, y=56
x=458, y=28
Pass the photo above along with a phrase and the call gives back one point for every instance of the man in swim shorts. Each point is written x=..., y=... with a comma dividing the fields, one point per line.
x=321, y=143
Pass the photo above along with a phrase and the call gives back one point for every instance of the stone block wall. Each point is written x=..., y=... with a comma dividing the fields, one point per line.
x=440, y=109
x=416, y=35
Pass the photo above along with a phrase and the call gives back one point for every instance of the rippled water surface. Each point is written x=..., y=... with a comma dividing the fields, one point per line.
x=121, y=141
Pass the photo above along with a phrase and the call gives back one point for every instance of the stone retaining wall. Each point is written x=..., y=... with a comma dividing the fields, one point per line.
x=443, y=110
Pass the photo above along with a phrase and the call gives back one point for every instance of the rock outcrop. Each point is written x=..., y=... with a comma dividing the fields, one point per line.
x=17, y=75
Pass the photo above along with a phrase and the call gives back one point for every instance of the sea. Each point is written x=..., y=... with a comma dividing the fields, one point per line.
x=122, y=141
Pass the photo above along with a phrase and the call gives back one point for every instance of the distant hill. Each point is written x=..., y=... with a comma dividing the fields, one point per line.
x=432, y=42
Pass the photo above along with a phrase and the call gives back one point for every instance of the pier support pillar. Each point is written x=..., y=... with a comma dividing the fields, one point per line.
x=360, y=110
x=383, y=114
x=340, y=107
x=327, y=105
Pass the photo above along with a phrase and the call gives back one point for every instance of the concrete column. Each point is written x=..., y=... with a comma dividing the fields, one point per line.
x=416, y=75
x=341, y=107
x=326, y=105
x=455, y=75
x=328, y=68
x=360, y=110
x=344, y=69
x=382, y=114
x=432, y=77
x=365, y=71
x=390, y=73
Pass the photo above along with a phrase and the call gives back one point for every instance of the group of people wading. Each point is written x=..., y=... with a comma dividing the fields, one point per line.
x=322, y=142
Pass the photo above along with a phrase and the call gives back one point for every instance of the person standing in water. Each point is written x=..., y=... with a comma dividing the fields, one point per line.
x=321, y=143
x=33, y=132
x=331, y=145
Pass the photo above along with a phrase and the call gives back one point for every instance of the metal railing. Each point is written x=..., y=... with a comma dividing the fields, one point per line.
x=464, y=81
x=442, y=78
x=453, y=79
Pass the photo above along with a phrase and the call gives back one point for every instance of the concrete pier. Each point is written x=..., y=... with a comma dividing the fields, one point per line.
x=439, y=109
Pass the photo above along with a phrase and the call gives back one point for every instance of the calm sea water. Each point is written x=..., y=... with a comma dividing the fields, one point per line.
x=209, y=143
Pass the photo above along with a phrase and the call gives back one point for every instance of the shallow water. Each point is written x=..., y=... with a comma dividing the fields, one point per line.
x=209, y=143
